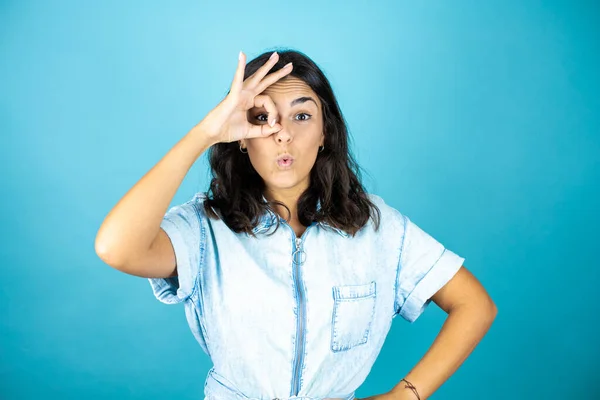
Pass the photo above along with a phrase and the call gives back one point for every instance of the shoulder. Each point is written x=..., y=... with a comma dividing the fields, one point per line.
x=194, y=206
x=390, y=216
x=198, y=199
x=385, y=208
x=377, y=200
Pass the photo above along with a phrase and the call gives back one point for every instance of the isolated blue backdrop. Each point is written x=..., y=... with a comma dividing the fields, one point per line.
x=480, y=121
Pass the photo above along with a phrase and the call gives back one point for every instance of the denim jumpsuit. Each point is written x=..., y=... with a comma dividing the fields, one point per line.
x=283, y=317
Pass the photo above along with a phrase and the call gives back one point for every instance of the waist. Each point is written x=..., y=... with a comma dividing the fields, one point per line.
x=217, y=387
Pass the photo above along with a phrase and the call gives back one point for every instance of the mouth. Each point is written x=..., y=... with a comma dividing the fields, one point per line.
x=285, y=161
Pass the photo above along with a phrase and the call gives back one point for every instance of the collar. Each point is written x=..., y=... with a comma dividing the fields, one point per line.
x=268, y=219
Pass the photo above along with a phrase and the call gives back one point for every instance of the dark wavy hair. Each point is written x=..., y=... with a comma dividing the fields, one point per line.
x=236, y=189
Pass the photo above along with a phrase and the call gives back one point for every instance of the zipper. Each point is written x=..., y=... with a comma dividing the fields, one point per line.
x=297, y=261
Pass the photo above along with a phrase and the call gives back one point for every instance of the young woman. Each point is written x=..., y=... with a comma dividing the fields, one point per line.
x=289, y=271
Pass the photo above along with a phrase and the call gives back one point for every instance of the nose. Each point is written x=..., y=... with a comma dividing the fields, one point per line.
x=283, y=136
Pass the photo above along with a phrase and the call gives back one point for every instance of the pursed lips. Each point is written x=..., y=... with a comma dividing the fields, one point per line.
x=285, y=160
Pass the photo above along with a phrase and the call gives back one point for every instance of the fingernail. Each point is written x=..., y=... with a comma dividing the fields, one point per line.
x=288, y=65
x=272, y=123
x=240, y=56
x=272, y=55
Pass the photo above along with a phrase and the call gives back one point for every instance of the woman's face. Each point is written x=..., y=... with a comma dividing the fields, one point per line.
x=284, y=159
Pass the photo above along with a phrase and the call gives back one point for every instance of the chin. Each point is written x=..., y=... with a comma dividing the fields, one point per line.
x=283, y=182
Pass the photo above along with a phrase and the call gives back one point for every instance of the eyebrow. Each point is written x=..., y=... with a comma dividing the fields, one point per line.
x=301, y=100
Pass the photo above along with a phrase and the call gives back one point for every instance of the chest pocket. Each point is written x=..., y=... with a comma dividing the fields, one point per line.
x=353, y=309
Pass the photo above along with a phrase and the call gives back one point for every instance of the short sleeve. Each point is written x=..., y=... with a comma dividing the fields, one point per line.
x=185, y=226
x=425, y=266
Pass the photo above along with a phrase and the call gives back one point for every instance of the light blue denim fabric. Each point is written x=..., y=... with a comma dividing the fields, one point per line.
x=288, y=318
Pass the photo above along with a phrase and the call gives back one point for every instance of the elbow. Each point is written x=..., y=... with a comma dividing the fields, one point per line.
x=491, y=306
x=104, y=252
x=494, y=309
x=482, y=309
x=489, y=311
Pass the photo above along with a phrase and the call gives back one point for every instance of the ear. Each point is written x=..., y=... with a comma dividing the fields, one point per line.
x=242, y=144
x=322, y=139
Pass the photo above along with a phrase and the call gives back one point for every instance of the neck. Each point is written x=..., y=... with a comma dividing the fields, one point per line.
x=289, y=197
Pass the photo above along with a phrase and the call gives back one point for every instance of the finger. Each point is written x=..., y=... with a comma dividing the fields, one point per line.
x=267, y=103
x=256, y=77
x=263, y=130
x=238, y=79
x=274, y=77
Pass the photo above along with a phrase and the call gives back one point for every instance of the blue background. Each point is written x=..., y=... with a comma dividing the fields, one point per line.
x=479, y=120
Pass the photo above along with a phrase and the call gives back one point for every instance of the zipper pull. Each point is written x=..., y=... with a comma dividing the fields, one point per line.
x=299, y=253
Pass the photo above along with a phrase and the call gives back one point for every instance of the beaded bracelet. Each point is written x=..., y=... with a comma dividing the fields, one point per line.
x=410, y=386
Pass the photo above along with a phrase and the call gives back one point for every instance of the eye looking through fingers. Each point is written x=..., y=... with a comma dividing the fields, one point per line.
x=261, y=117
